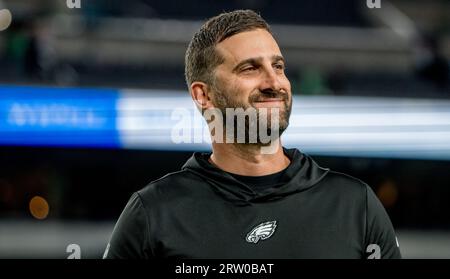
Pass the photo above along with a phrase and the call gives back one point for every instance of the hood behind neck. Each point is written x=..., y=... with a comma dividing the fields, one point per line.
x=301, y=174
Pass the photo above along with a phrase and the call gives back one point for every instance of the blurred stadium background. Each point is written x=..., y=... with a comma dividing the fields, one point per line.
x=87, y=96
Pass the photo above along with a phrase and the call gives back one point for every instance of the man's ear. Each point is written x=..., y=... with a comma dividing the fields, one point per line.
x=200, y=93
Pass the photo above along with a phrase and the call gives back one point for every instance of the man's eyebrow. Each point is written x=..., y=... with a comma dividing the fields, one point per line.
x=255, y=60
x=252, y=60
x=278, y=58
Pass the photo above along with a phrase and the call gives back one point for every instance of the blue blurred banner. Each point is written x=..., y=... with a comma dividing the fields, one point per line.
x=168, y=120
x=58, y=117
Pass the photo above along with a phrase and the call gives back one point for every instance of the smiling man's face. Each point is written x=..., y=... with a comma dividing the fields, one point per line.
x=252, y=76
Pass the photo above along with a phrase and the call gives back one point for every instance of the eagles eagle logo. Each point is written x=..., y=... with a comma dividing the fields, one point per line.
x=261, y=232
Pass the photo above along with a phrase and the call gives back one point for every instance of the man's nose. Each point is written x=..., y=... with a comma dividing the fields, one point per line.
x=271, y=80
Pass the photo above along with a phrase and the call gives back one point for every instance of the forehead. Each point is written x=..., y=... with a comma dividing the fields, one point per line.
x=245, y=45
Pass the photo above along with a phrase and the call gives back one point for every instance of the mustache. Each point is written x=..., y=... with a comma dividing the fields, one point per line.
x=268, y=94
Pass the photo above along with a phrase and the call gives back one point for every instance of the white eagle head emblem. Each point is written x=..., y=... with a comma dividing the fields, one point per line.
x=262, y=231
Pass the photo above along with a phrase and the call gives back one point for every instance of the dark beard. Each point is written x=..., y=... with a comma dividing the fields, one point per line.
x=222, y=101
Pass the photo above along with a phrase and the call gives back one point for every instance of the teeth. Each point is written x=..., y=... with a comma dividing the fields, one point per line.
x=5, y=19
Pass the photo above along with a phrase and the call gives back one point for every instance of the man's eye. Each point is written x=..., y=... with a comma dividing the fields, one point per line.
x=249, y=69
x=279, y=66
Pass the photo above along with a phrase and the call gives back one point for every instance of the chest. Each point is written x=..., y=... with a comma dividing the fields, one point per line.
x=290, y=228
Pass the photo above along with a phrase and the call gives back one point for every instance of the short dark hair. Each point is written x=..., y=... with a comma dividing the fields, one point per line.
x=201, y=56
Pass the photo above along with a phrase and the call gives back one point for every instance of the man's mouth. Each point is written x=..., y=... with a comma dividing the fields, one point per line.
x=269, y=102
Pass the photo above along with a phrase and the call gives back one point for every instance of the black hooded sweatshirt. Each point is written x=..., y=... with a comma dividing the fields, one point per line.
x=203, y=212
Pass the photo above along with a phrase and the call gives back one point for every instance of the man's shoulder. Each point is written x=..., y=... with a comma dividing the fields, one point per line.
x=338, y=180
x=344, y=177
x=344, y=182
x=171, y=186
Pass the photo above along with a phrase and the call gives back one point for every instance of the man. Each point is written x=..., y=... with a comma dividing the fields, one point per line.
x=238, y=201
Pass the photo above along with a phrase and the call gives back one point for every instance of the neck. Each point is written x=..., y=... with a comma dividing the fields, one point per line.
x=249, y=160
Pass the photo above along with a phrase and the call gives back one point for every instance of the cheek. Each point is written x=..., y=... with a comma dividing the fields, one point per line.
x=250, y=85
x=242, y=88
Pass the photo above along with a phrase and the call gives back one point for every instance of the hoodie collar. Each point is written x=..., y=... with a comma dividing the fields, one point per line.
x=301, y=174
